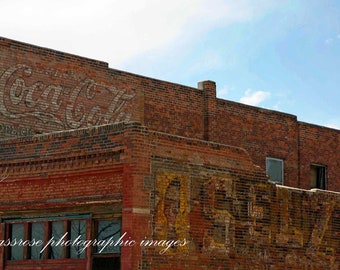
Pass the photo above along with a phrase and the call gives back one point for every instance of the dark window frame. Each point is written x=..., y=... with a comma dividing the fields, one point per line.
x=321, y=176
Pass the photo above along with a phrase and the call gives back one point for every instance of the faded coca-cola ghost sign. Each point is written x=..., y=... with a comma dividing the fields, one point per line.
x=86, y=103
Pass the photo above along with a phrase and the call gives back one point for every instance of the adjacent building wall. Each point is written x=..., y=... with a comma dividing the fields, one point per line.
x=42, y=90
x=321, y=146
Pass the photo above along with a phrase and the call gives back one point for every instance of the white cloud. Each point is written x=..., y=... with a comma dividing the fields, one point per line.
x=116, y=31
x=254, y=98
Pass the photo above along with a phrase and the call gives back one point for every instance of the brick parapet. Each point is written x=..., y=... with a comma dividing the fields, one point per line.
x=45, y=52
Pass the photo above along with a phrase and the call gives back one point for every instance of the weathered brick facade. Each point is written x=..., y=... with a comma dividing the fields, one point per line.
x=82, y=144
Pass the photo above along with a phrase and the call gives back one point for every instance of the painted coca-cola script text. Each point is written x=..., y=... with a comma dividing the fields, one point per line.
x=61, y=106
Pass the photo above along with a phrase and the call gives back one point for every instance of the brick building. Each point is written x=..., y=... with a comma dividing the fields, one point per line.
x=103, y=169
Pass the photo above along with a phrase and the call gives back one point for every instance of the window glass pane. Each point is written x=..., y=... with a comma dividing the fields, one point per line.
x=77, y=231
x=37, y=234
x=17, y=251
x=109, y=230
x=275, y=170
x=57, y=233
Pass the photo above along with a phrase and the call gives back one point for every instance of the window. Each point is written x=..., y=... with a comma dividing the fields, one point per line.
x=274, y=169
x=317, y=176
x=105, y=230
x=30, y=238
x=53, y=238
x=108, y=257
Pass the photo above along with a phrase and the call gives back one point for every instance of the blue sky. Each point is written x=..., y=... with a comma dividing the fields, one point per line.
x=280, y=55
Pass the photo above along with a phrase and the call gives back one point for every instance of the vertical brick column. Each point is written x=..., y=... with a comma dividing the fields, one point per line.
x=209, y=107
x=136, y=198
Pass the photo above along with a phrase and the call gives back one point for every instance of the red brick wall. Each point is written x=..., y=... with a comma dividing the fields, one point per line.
x=173, y=108
x=219, y=201
x=319, y=145
x=214, y=196
x=64, y=167
x=61, y=174
x=164, y=153
x=263, y=133
x=42, y=90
